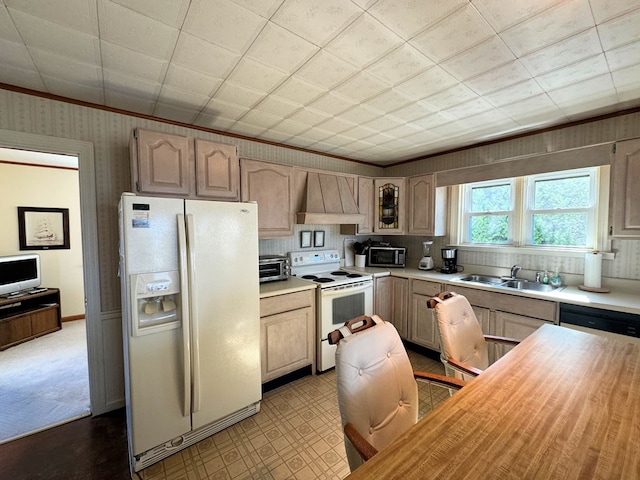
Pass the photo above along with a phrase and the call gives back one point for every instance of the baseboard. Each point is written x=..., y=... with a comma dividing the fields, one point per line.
x=71, y=318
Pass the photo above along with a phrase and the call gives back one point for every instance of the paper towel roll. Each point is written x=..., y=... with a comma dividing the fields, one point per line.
x=592, y=269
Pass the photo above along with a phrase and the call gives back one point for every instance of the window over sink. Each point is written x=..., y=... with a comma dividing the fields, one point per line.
x=564, y=210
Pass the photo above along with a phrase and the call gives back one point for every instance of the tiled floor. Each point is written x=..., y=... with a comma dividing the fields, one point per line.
x=296, y=435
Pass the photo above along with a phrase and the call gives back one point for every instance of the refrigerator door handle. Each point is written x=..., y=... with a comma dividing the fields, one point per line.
x=186, y=321
x=194, y=315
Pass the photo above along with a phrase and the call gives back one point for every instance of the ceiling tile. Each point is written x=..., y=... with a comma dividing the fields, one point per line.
x=620, y=30
x=576, y=92
x=174, y=112
x=180, y=98
x=332, y=103
x=359, y=132
x=223, y=23
x=479, y=59
x=248, y=129
x=325, y=70
x=129, y=29
x=361, y=87
x=7, y=29
x=583, y=70
x=514, y=93
x=359, y=114
x=427, y=83
x=130, y=86
x=503, y=14
x=260, y=119
x=15, y=55
x=627, y=76
x=298, y=91
x=468, y=108
x=533, y=107
x=190, y=81
x=281, y=49
x=44, y=35
x=199, y=55
x=318, y=22
x=389, y=101
x=623, y=56
x=402, y=63
x=132, y=104
x=432, y=121
x=413, y=111
x=551, y=26
x=336, y=125
x=276, y=106
x=238, y=95
x=498, y=78
x=309, y=116
x=220, y=108
x=256, y=76
x=69, y=89
x=608, y=9
x=65, y=68
x=450, y=97
x=290, y=127
x=364, y=41
x=169, y=12
x=216, y=122
x=408, y=17
x=132, y=63
x=454, y=34
x=383, y=123
x=78, y=15
x=26, y=78
x=264, y=8
x=583, y=45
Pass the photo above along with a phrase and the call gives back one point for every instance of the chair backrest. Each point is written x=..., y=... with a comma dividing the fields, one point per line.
x=461, y=336
x=377, y=392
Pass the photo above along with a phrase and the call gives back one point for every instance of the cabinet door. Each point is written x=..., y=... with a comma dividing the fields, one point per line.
x=271, y=186
x=392, y=301
x=422, y=322
x=287, y=342
x=427, y=206
x=217, y=171
x=365, y=206
x=514, y=326
x=161, y=163
x=625, y=195
x=389, y=205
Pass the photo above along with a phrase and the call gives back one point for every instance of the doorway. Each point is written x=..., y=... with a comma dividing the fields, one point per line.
x=44, y=380
x=83, y=151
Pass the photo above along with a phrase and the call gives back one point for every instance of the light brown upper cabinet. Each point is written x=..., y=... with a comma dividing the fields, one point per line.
x=427, y=207
x=175, y=165
x=625, y=195
x=271, y=186
x=366, y=206
x=389, y=205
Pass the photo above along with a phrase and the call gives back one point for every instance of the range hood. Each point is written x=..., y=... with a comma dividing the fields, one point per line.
x=329, y=201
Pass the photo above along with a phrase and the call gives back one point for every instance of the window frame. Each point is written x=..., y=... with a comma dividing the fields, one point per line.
x=467, y=215
x=602, y=241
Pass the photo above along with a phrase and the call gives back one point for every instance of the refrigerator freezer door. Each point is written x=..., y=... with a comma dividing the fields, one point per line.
x=154, y=362
x=225, y=308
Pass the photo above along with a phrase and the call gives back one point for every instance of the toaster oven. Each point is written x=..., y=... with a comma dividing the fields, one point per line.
x=272, y=268
x=386, y=256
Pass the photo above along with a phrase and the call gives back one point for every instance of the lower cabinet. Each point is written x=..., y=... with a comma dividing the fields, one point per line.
x=423, y=326
x=287, y=332
x=391, y=300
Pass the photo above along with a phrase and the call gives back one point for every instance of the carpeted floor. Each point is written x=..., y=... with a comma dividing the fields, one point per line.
x=44, y=382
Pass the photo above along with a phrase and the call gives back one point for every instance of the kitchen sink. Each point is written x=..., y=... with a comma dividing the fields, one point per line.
x=486, y=279
x=513, y=284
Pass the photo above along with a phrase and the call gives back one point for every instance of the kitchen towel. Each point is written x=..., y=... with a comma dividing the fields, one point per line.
x=592, y=269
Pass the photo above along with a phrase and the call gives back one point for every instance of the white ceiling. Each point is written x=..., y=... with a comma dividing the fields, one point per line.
x=373, y=80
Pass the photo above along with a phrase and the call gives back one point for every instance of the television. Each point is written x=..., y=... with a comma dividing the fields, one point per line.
x=19, y=272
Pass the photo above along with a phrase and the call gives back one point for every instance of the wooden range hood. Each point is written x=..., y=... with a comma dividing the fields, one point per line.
x=329, y=201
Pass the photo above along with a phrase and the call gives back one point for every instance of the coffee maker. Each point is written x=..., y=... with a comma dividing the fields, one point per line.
x=449, y=260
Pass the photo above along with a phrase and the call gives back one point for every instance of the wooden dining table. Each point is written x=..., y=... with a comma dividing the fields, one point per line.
x=563, y=404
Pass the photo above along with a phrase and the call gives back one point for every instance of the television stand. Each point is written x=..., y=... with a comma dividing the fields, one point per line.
x=24, y=317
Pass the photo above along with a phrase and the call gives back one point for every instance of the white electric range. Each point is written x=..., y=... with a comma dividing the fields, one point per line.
x=341, y=296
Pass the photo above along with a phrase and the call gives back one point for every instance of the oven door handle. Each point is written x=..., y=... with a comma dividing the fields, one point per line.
x=331, y=292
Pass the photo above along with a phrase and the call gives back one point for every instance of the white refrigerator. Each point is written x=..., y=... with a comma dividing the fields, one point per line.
x=191, y=321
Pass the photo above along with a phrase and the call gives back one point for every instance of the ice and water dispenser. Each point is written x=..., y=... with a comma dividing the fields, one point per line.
x=154, y=298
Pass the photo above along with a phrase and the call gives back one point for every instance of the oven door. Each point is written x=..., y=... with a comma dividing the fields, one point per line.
x=336, y=305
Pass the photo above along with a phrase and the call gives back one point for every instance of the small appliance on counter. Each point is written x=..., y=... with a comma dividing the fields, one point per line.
x=272, y=268
x=426, y=262
x=449, y=260
x=386, y=256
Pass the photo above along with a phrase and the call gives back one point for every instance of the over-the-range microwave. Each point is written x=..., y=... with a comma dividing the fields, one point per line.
x=386, y=256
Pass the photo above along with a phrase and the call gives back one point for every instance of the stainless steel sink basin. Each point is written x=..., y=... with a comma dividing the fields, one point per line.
x=526, y=285
x=486, y=279
x=515, y=284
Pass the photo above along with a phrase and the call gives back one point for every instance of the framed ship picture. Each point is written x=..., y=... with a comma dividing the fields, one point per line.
x=43, y=228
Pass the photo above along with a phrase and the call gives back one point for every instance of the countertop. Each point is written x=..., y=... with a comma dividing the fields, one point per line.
x=291, y=285
x=619, y=299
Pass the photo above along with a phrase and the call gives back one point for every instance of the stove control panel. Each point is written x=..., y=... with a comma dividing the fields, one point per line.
x=300, y=259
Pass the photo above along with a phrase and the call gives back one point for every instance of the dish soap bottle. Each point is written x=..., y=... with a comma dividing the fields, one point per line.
x=545, y=278
x=556, y=281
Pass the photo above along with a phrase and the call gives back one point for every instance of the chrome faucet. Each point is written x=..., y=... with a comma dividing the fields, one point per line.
x=514, y=271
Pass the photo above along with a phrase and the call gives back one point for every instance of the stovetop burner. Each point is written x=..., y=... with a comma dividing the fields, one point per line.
x=323, y=268
x=324, y=280
x=339, y=273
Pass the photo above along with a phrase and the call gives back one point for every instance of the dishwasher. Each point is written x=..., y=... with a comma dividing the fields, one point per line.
x=622, y=326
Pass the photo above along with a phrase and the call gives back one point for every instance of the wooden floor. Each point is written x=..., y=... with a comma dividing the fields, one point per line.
x=92, y=448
